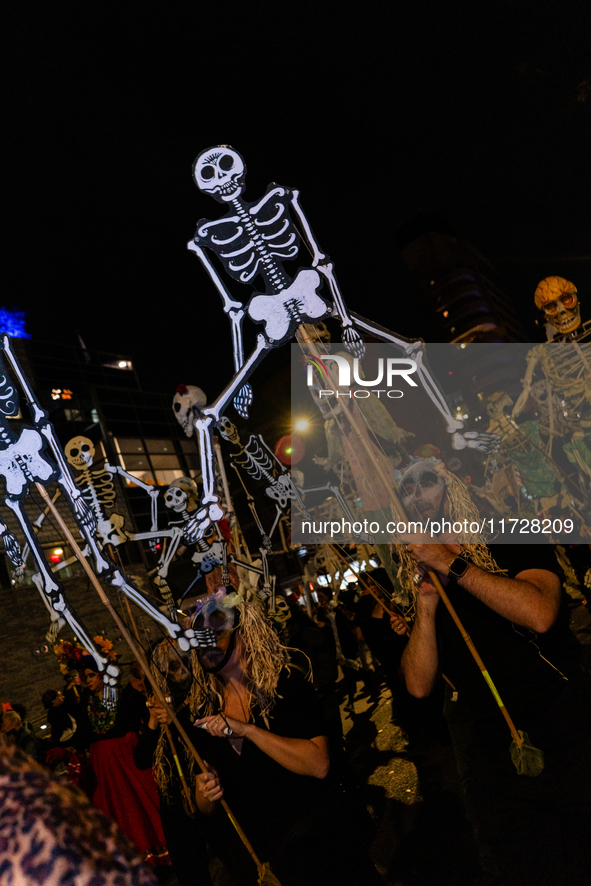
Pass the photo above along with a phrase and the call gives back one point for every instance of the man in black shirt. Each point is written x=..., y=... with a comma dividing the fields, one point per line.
x=536, y=827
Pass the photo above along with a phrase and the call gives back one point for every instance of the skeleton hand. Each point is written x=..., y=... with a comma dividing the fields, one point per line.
x=13, y=550
x=353, y=342
x=110, y=676
x=154, y=545
x=84, y=514
x=204, y=517
x=475, y=440
x=242, y=400
x=206, y=638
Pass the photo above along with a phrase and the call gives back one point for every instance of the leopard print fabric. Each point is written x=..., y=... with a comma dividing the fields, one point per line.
x=50, y=835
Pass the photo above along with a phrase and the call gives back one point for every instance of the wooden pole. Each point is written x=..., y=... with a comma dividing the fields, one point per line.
x=302, y=335
x=434, y=579
x=261, y=868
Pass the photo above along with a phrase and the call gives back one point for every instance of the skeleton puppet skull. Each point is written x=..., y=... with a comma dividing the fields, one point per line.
x=80, y=452
x=228, y=430
x=558, y=299
x=185, y=398
x=182, y=494
x=220, y=172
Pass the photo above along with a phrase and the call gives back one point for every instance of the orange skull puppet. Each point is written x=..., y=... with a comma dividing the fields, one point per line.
x=558, y=299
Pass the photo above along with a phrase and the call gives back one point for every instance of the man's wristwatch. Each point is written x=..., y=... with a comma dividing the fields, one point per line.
x=457, y=568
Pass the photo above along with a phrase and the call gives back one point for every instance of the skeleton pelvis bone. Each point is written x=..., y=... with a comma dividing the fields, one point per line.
x=282, y=312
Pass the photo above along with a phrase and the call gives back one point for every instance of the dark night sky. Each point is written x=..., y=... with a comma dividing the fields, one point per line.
x=479, y=111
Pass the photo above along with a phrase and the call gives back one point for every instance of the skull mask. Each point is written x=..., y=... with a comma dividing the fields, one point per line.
x=80, y=452
x=214, y=623
x=220, y=172
x=186, y=398
x=423, y=489
x=282, y=611
x=558, y=299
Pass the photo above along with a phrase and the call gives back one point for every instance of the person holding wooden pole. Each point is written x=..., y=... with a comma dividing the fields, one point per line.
x=264, y=739
x=502, y=637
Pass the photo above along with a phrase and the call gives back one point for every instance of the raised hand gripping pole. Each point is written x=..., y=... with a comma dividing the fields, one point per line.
x=264, y=874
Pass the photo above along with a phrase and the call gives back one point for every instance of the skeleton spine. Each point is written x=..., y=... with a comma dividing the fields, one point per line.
x=274, y=275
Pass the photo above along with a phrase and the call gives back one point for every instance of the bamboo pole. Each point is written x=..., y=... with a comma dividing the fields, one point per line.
x=261, y=868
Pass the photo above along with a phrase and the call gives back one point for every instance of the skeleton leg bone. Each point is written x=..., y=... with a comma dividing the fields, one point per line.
x=210, y=510
x=53, y=592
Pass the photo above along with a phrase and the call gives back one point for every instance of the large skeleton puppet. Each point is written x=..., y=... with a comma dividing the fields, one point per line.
x=34, y=456
x=253, y=240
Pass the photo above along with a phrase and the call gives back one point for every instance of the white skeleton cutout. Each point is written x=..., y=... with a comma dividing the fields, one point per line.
x=253, y=240
x=181, y=499
x=187, y=400
x=24, y=460
x=98, y=490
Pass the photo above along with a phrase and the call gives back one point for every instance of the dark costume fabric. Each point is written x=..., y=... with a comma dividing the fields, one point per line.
x=536, y=828
x=302, y=825
x=124, y=793
x=50, y=834
x=180, y=829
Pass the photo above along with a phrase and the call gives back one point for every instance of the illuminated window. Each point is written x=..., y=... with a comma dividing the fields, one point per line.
x=152, y=461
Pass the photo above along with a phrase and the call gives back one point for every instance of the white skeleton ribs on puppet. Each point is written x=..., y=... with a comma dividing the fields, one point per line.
x=34, y=456
x=97, y=488
x=253, y=240
x=181, y=499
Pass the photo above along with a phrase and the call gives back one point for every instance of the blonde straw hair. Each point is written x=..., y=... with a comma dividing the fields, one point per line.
x=461, y=508
x=263, y=658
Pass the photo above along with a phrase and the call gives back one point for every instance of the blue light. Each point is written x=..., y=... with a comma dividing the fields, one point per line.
x=13, y=323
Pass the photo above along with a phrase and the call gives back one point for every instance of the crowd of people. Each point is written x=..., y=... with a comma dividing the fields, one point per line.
x=260, y=749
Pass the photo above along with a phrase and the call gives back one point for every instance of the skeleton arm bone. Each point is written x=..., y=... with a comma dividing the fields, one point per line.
x=532, y=361
x=232, y=308
x=153, y=493
x=416, y=350
x=309, y=238
x=319, y=261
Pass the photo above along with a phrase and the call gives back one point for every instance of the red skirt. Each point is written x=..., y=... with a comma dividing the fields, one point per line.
x=128, y=795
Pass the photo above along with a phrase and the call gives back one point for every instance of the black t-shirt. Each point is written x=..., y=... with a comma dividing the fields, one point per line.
x=267, y=799
x=528, y=685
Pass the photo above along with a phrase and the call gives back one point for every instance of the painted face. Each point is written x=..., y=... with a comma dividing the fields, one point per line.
x=58, y=700
x=214, y=623
x=423, y=491
x=93, y=680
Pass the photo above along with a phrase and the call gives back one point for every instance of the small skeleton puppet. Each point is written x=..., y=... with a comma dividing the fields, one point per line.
x=182, y=498
x=559, y=301
x=24, y=461
x=154, y=537
x=97, y=488
x=253, y=240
